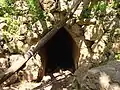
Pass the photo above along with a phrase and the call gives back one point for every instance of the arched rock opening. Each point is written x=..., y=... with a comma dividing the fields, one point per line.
x=60, y=52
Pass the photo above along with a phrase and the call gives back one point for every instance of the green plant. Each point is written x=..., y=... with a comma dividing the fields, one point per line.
x=117, y=56
x=35, y=10
x=94, y=9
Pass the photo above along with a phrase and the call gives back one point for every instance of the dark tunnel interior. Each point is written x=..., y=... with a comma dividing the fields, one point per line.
x=59, y=52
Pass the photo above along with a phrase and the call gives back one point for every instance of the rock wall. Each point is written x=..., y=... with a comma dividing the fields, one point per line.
x=97, y=42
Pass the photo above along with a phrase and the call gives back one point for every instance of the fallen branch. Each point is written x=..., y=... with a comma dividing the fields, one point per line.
x=22, y=60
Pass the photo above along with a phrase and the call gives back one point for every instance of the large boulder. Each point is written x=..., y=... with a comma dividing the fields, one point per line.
x=104, y=77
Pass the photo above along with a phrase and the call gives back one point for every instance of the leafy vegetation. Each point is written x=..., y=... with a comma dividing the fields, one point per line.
x=35, y=9
x=11, y=14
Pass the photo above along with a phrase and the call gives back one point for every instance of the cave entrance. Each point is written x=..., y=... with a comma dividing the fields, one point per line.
x=59, y=53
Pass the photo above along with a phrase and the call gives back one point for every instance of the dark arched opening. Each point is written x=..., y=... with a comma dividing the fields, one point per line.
x=59, y=53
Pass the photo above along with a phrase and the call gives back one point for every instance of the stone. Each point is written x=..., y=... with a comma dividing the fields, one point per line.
x=23, y=29
x=19, y=44
x=25, y=47
x=105, y=77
